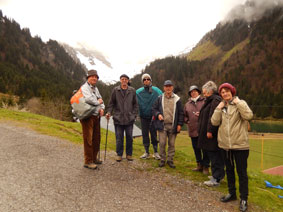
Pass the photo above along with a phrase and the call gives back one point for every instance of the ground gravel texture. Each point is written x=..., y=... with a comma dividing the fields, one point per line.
x=43, y=173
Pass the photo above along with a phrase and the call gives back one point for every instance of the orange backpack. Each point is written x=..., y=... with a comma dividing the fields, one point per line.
x=81, y=109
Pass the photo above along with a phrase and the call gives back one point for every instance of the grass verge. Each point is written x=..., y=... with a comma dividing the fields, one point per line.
x=266, y=199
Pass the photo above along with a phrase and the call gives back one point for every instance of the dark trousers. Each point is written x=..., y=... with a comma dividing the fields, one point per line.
x=147, y=128
x=240, y=157
x=91, y=136
x=201, y=155
x=217, y=164
x=119, y=133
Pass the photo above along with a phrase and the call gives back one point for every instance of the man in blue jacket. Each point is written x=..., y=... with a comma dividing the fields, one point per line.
x=146, y=96
x=169, y=118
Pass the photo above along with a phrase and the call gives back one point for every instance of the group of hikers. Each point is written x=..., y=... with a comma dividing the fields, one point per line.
x=217, y=123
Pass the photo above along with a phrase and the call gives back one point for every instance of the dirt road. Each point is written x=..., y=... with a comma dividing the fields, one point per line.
x=42, y=173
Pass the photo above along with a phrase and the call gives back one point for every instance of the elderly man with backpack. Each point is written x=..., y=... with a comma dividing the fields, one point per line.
x=91, y=124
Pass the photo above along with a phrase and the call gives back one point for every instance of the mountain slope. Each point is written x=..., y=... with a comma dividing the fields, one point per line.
x=246, y=53
x=32, y=68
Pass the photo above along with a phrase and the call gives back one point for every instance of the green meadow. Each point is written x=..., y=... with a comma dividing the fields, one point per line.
x=260, y=197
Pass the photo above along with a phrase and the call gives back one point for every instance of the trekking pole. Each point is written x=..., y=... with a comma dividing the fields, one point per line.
x=99, y=152
x=99, y=144
x=106, y=140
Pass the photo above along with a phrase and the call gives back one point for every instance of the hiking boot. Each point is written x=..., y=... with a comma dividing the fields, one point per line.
x=171, y=164
x=119, y=158
x=144, y=156
x=212, y=182
x=97, y=162
x=243, y=205
x=156, y=156
x=205, y=170
x=228, y=198
x=198, y=168
x=129, y=158
x=90, y=166
x=162, y=163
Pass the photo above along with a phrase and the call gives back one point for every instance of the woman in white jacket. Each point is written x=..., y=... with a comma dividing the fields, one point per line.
x=232, y=116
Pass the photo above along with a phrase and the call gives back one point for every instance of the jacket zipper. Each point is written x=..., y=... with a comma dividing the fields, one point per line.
x=229, y=138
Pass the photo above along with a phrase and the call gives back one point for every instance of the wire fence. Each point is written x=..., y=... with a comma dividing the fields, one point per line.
x=267, y=154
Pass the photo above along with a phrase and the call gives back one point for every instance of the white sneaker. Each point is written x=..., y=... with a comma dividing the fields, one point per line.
x=144, y=156
x=156, y=156
x=210, y=177
x=212, y=182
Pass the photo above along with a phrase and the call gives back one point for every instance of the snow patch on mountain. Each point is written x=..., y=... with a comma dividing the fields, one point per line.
x=105, y=73
x=110, y=75
x=109, y=72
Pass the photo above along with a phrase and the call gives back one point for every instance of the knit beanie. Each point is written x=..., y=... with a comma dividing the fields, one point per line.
x=229, y=86
x=145, y=76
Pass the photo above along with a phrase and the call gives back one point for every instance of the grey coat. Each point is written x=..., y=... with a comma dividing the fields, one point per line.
x=124, y=108
x=91, y=94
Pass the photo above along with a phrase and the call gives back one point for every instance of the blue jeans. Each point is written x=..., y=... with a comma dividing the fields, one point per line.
x=119, y=133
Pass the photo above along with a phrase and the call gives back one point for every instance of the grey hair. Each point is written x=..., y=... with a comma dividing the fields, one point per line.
x=210, y=86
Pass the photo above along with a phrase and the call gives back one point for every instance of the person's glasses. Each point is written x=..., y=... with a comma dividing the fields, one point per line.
x=146, y=79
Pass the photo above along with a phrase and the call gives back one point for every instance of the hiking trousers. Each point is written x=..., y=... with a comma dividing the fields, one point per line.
x=91, y=137
x=147, y=127
x=240, y=158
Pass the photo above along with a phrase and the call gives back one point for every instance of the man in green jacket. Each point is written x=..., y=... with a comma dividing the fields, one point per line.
x=146, y=96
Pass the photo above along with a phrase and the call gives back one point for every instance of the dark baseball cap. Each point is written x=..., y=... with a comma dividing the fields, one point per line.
x=168, y=82
x=124, y=75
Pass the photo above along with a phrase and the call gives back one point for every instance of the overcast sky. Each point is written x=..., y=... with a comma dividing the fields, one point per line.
x=129, y=31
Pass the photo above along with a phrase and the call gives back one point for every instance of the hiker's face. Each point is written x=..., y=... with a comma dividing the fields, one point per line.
x=206, y=93
x=92, y=79
x=146, y=81
x=226, y=94
x=194, y=93
x=168, y=89
x=124, y=82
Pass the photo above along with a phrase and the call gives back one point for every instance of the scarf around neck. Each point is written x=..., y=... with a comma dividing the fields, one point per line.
x=148, y=87
x=195, y=99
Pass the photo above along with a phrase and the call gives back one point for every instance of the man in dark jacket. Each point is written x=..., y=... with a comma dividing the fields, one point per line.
x=207, y=139
x=124, y=107
x=169, y=118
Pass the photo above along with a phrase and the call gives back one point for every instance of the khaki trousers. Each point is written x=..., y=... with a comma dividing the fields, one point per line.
x=163, y=136
x=91, y=137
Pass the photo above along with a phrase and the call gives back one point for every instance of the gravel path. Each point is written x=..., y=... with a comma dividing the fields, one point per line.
x=43, y=173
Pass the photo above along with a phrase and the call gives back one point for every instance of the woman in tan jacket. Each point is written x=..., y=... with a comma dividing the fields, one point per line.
x=232, y=116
